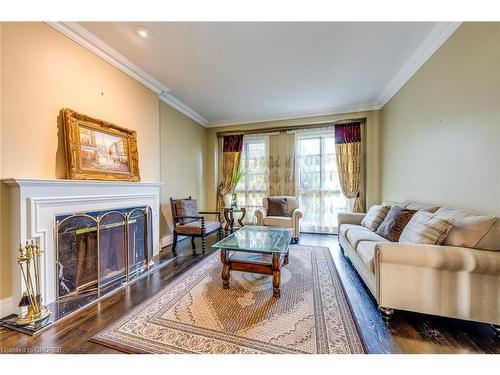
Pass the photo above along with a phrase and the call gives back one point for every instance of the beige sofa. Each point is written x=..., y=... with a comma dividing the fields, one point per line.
x=292, y=221
x=450, y=281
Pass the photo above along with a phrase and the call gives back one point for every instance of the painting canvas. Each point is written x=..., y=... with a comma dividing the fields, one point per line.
x=102, y=151
x=99, y=150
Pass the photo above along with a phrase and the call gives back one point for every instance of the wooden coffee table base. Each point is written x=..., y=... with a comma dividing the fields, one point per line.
x=273, y=268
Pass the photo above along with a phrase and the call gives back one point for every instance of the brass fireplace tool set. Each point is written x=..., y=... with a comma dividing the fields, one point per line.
x=31, y=302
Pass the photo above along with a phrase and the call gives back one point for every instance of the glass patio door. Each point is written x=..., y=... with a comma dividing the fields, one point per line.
x=253, y=186
x=318, y=186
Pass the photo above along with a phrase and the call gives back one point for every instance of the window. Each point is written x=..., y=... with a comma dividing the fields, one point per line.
x=252, y=187
x=318, y=186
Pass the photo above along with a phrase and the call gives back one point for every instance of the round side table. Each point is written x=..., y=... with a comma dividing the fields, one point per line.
x=229, y=217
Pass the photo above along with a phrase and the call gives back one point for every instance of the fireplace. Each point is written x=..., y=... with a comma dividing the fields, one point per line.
x=99, y=251
x=78, y=208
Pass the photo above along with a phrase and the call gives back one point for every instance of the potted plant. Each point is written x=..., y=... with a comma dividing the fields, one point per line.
x=237, y=175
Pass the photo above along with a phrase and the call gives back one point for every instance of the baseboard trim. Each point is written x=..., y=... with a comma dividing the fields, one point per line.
x=6, y=307
x=166, y=241
x=169, y=240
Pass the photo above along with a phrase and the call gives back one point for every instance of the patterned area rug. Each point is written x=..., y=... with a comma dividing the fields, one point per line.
x=194, y=314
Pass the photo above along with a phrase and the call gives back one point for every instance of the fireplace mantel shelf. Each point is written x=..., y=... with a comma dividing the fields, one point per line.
x=51, y=182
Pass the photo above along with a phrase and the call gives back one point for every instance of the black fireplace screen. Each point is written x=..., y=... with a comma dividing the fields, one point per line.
x=101, y=250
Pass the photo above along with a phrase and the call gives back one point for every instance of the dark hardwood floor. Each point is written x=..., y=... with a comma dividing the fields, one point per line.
x=406, y=333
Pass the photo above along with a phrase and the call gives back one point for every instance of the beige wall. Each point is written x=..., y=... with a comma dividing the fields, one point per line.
x=1, y=24
x=441, y=131
x=372, y=173
x=5, y=273
x=183, y=153
x=43, y=71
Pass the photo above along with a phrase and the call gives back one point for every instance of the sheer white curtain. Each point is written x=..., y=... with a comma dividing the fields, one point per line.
x=318, y=186
x=253, y=186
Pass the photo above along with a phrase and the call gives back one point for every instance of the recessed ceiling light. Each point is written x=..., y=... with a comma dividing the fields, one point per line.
x=142, y=31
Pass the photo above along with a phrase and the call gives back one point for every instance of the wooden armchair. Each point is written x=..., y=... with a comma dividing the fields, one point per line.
x=190, y=222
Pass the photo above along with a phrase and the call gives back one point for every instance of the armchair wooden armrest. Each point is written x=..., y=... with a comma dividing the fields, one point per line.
x=216, y=213
x=209, y=212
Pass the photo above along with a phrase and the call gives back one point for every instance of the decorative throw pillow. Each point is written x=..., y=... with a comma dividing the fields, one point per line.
x=277, y=207
x=394, y=223
x=426, y=228
x=374, y=217
x=468, y=227
x=186, y=207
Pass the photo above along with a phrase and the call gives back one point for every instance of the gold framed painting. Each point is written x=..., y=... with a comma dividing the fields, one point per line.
x=99, y=150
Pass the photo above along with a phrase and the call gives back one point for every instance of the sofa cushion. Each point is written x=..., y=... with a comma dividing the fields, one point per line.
x=419, y=206
x=412, y=206
x=375, y=216
x=426, y=229
x=468, y=227
x=278, y=221
x=345, y=227
x=394, y=203
x=366, y=251
x=355, y=236
x=394, y=223
x=277, y=206
x=194, y=227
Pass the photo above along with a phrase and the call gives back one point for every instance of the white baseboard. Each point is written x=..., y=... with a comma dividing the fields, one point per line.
x=6, y=307
x=166, y=241
x=169, y=240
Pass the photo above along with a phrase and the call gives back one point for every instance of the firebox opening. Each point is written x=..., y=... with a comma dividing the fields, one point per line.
x=101, y=250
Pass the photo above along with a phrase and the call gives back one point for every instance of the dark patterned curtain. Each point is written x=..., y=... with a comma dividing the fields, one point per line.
x=233, y=143
x=349, y=158
x=231, y=157
x=347, y=133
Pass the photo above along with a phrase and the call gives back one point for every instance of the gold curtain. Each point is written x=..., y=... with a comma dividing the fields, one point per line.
x=282, y=164
x=231, y=157
x=349, y=158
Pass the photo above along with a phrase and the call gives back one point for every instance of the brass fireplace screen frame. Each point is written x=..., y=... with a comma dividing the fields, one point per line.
x=126, y=221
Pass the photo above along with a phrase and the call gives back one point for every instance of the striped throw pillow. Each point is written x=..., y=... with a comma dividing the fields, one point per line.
x=375, y=216
x=426, y=229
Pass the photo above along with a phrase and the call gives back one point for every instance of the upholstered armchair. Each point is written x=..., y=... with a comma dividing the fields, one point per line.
x=190, y=222
x=291, y=221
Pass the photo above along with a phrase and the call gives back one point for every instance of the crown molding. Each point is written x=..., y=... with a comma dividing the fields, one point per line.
x=294, y=116
x=81, y=36
x=434, y=40
x=181, y=107
x=89, y=41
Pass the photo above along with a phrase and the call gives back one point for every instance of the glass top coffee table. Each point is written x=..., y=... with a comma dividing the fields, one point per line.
x=255, y=249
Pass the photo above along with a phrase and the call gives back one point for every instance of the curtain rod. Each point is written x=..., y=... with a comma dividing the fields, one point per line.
x=315, y=125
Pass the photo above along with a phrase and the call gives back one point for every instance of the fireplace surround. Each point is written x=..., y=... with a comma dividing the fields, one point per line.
x=36, y=205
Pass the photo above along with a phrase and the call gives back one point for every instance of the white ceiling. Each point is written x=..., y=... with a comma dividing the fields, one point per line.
x=227, y=73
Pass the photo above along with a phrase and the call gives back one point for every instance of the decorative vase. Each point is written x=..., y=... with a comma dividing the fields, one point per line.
x=234, y=200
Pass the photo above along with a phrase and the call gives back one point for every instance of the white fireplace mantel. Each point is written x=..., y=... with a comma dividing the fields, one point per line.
x=36, y=203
